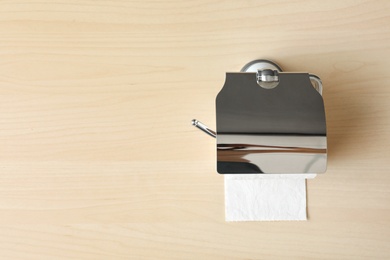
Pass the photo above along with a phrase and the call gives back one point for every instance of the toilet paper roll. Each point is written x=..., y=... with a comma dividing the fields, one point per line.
x=262, y=197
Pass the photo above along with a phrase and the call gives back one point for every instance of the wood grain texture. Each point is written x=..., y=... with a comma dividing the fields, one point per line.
x=98, y=158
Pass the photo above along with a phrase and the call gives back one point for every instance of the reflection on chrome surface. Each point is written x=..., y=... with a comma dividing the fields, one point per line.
x=279, y=130
x=271, y=154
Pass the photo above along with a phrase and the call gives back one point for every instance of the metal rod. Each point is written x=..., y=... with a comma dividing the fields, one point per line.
x=204, y=128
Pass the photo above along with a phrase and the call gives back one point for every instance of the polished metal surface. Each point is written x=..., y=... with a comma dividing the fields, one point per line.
x=268, y=82
x=267, y=78
x=204, y=128
x=278, y=130
x=316, y=82
x=270, y=122
x=262, y=64
x=258, y=66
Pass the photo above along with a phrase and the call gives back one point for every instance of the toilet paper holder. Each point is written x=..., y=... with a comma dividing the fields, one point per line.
x=269, y=121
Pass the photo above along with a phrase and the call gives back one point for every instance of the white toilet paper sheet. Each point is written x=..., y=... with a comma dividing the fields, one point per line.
x=262, y=197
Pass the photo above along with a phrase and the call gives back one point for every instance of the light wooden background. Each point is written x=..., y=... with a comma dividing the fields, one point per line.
x=98, y=158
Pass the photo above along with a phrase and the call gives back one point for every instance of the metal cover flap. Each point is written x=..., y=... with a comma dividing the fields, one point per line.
x=279, y=130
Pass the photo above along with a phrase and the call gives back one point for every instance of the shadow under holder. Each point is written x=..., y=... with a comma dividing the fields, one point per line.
x=269, y=121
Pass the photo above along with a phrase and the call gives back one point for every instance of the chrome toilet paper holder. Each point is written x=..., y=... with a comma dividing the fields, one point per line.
x=269, y=121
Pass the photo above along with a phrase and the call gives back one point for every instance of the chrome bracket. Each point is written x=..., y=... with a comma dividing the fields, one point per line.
x=269, y=121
